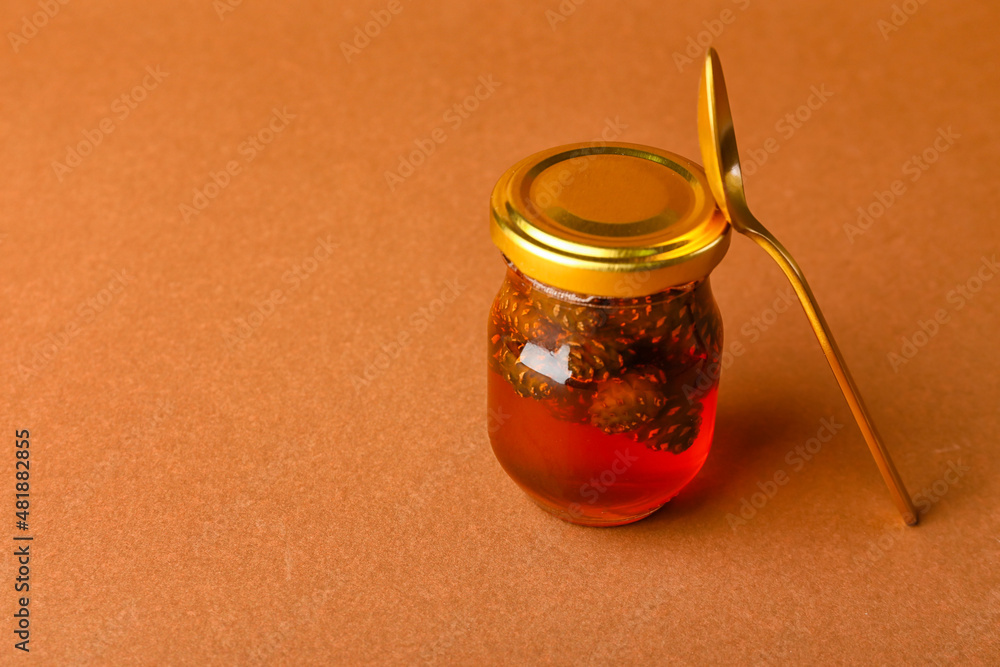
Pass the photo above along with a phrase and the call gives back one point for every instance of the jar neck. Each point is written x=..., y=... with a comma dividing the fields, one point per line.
x=632, y=281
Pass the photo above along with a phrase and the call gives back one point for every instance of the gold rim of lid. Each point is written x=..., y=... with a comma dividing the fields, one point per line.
x=616, y=220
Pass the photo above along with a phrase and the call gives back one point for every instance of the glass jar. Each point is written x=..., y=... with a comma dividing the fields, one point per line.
x=604, y=339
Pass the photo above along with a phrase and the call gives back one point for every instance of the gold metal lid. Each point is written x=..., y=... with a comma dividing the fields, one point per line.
x=618, y=220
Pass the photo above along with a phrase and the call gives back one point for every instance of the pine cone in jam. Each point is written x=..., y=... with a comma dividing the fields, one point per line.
x=626, y=360
x=526, y=382
x=520, y=315
x=575, y=319
x=675, y=428
x=708, y=329
x=624, y=403
x=596, y=359
x=649, y=316
x=563, y=400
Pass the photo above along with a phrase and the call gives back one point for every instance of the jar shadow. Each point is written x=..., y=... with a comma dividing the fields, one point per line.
x=745, y=433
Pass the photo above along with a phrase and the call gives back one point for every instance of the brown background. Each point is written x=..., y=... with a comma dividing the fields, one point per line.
x=196, y=501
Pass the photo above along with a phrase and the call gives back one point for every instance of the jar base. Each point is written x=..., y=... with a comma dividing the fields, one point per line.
x=594, y=522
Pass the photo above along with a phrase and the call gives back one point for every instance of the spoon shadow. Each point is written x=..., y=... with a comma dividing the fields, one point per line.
x=749, y=433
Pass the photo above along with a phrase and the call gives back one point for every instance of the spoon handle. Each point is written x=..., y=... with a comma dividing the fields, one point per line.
x=749, y=226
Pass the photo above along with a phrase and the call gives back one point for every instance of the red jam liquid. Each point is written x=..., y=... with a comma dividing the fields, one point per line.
x=581, y=474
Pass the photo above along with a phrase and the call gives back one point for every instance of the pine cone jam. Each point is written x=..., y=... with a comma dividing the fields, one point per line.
x=597, y=416
x=604, y=340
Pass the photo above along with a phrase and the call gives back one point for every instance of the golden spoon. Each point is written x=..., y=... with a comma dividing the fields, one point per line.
x=722, y=165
